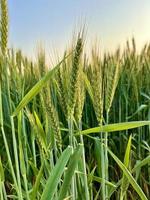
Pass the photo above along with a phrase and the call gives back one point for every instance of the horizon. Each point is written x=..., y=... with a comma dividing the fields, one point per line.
x=111, y=23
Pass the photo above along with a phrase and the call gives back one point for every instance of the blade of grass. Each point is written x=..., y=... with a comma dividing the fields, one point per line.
x=143, y=162
x=125, y=182
x=55, y=175
x=130, y=178
x=70, y=171
x=115, y=127
x=38, y=86
x=37, y=182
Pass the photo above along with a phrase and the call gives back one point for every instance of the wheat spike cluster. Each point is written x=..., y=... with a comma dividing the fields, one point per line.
x=76, y=130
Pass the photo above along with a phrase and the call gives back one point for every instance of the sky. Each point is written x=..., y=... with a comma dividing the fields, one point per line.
x=53, y=22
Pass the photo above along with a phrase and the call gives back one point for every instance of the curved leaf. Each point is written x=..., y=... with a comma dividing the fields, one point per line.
x=115, y=127
x=36, y=88
x=129, y=176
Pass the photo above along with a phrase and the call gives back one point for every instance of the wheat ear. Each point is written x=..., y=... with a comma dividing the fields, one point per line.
x=4, y=26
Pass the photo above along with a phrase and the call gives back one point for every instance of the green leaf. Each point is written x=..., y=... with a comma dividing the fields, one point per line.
x=21, y=152
x=40, y=132
x=2, y=176
x=35, y=90
x=37, y=182
x=100, y=180
x=141, y=163
x=113, y=189
x=125, y=182
x=55, y=176
x=127, y=153
x=114, y=127
x=70, y=171
x=142, y=107
x=129, y=176
x=97, y=179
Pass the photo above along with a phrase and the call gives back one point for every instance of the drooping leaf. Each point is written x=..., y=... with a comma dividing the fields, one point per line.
x=36, y=88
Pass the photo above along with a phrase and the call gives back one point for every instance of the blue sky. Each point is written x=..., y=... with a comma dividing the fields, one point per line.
x=52, y=22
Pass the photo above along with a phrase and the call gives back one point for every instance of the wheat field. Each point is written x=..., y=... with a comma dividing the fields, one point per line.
x=79, y=130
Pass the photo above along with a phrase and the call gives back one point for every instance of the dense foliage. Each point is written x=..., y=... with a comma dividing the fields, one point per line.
x=49, y=148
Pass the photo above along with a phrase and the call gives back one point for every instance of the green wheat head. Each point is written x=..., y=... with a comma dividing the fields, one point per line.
x=74, y=76
x=4, y=26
